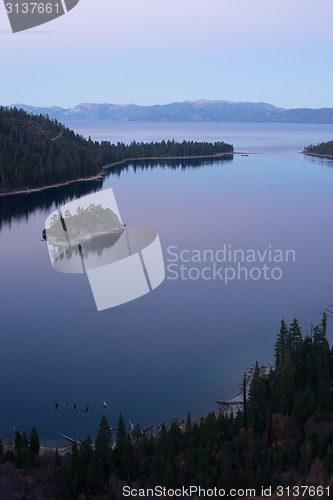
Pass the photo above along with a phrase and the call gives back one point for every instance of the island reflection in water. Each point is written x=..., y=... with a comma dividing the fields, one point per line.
x=186, y=345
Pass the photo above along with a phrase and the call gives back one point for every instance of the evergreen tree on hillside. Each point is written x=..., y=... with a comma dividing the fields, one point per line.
x=36, y=151
x=96, y=477
x=294, y=337
x=121, y=432
x=280, y=347
x=17, y=441
x=86, y=451
x=34, y=445
x=257, y=405
x=103, y=446
x=286, y=385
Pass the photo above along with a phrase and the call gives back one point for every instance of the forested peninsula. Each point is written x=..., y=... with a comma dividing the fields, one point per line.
x=281, y=440
x=37, y=152
x=322, y=149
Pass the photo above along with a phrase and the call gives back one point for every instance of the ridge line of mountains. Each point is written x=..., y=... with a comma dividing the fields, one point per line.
x=187, y=111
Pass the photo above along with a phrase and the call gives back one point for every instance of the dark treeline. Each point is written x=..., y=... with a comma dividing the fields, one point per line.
x=324, y=148
x=19, y=206
x=285, y=439
x=36, y=151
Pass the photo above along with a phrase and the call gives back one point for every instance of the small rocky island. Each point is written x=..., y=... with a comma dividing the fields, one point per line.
x=86, y=224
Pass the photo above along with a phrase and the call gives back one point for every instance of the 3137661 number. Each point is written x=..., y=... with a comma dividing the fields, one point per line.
x=32, y=8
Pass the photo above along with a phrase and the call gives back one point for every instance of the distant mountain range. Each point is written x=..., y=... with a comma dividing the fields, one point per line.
x=188, y=111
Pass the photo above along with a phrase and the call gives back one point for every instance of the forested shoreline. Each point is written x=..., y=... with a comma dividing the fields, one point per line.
x=37, y=152
x=283, y=437
x=322, y=149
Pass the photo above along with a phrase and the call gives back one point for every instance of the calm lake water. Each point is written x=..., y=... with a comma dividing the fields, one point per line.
x=187, y=344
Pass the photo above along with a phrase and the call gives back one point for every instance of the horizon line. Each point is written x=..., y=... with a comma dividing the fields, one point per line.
x=198, y=101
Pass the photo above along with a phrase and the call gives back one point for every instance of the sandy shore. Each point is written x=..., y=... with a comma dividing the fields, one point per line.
x=45, y=449
x=316, y=154
x=104, y=170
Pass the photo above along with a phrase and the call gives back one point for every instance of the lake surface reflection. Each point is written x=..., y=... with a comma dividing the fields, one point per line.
x=186, y=344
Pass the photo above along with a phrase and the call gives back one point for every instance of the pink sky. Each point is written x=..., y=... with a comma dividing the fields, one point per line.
x=162, y=51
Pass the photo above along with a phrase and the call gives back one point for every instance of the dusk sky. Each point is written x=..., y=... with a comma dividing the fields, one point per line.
x=160, y=51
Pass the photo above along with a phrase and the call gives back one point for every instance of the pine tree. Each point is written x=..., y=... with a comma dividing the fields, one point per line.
x=294, y=340
x=74, y=465
x=226, y=466
x=57, y=458
x=174, y=436
x=319, y=332
x=96, y=476
x=34, y=445
x=299, y=411
x=25, y=441
x=188, y=422
x=163, y=440
x=324, y=391
x=121, y=432
x=86, y=451
x=281, y=345
x=103, y=445
x=159, y=467
x=323, y=324
x=257, y=401
x=286, y=386
x=18, y=441
x=128, y=461
x=137, y=432
x=21, y=447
